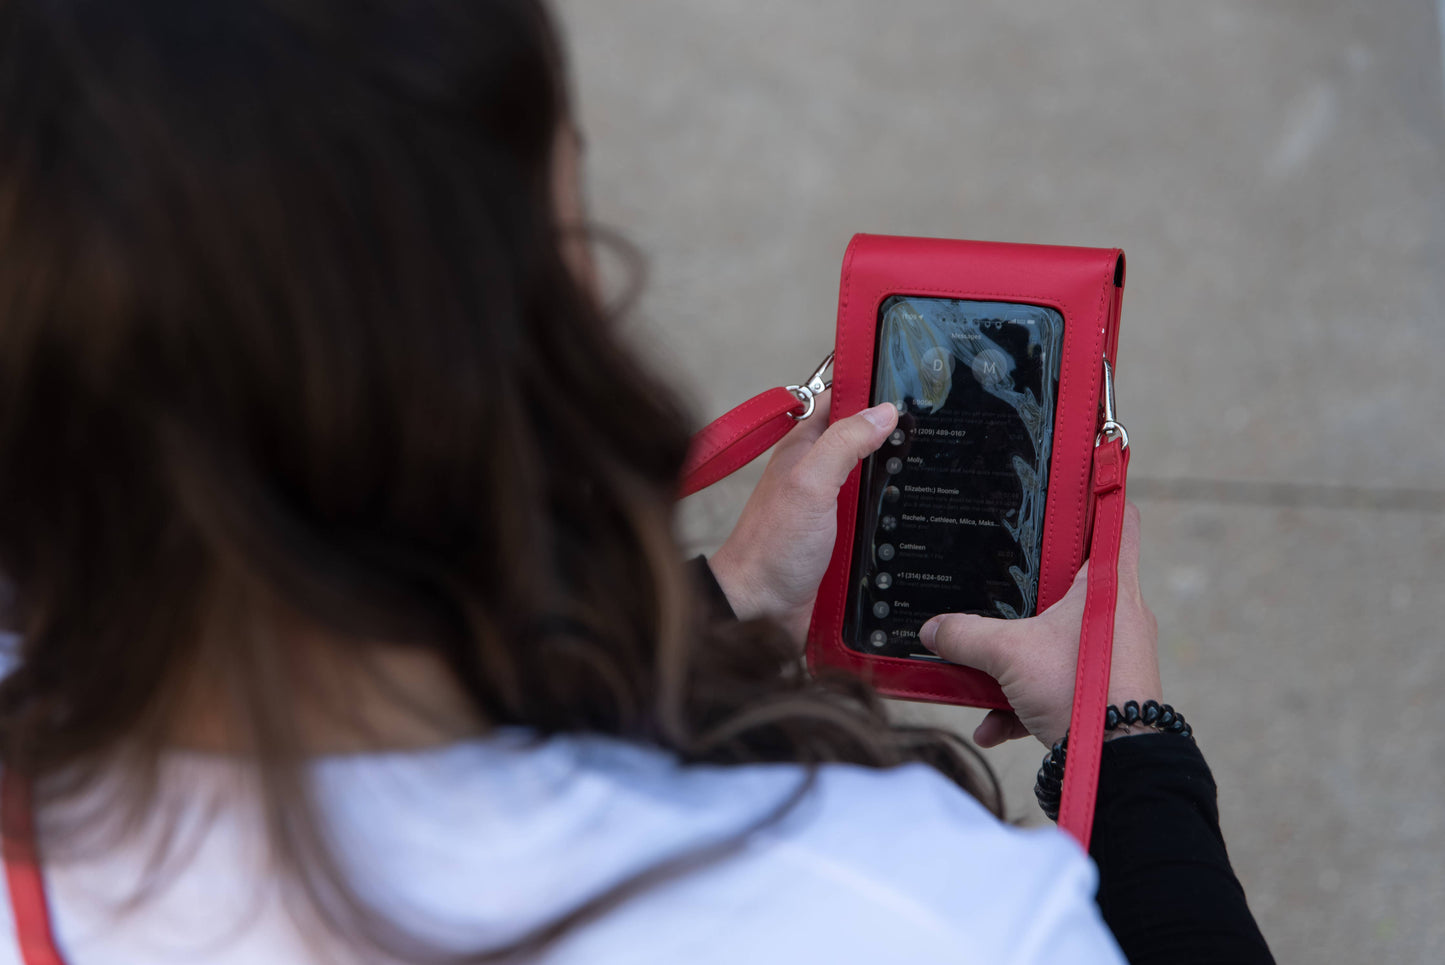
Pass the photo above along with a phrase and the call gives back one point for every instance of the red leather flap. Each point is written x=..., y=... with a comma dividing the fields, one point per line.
x=1079, y=283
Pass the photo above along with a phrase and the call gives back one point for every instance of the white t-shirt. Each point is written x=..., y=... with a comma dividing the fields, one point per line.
x=478, y=842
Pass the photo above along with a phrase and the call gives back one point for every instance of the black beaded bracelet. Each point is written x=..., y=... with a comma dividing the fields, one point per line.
x=1049, y=786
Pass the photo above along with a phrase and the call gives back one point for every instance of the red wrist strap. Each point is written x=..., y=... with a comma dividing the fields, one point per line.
x=1096, y=643
x=735, y=439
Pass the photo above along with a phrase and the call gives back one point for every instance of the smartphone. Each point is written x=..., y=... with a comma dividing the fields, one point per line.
x=951, y=508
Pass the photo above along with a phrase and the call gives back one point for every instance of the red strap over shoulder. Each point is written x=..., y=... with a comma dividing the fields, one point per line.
x=23, y=876
x=1096, y=643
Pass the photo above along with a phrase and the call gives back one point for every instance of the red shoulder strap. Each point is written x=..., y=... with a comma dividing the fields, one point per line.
x=23, y=876
x=1096, y=642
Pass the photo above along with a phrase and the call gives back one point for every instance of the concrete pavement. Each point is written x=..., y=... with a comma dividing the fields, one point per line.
x=1276, y=172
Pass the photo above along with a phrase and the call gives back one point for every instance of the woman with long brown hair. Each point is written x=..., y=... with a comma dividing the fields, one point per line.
x=338, y=521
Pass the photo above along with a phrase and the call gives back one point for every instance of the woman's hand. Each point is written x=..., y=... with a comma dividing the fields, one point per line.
x=775, y=558
x=1034, y=659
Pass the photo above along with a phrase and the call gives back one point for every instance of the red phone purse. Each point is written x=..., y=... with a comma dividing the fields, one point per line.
x=1084, y=509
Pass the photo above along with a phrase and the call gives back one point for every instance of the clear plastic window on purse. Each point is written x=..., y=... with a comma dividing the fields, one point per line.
x=951, y=508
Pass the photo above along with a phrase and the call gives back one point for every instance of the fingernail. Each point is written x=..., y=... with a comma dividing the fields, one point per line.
x=927, y=632
x=881, y=416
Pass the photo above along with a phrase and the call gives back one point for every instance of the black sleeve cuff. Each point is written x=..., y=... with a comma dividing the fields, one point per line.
x=715, y=602
x=1166, y=887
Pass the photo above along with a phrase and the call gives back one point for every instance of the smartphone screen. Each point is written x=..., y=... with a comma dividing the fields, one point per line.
x=951, y=508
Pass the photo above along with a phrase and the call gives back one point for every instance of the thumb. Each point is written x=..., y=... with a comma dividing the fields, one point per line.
x=999, y=726
x=964, y=638
x=846, y=441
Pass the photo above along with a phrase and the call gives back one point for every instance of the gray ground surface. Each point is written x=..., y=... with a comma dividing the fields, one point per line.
x=1275, y=170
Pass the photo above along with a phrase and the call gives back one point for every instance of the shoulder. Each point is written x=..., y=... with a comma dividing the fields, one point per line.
x=869, y=865
x=479, y=844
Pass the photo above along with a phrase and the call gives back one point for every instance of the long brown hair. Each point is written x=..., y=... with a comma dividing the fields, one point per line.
x=286, y=339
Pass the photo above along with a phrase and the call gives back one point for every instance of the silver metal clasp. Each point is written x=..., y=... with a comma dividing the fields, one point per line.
x=1109, y=427
x=809, y=391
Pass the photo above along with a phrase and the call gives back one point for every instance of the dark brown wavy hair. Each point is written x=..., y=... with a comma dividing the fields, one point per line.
x=287, y=340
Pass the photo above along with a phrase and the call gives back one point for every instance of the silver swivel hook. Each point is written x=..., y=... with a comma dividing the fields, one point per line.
x=809, y=391
x=1109, y=427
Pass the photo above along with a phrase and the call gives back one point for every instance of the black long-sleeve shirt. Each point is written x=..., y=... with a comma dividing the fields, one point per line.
x=1166, y=887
